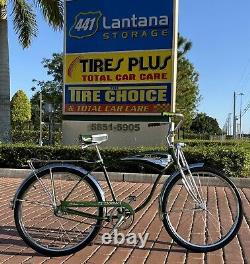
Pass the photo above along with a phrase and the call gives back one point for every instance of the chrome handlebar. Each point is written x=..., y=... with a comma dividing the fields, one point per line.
x=181, y=116
x=171, y=131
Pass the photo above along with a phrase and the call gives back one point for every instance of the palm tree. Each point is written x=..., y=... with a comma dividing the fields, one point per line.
x=25, y=26
x=184, y=46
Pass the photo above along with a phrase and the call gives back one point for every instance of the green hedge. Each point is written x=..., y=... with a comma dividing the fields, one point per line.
x=32, y=136
x=234, y=160
x=242, y=143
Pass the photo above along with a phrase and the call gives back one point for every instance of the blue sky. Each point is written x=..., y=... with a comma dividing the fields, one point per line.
x=220, y=33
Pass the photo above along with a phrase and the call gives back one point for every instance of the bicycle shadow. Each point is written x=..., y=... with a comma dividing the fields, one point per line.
x=173, y=247
x=157, y=245
x=9, y=238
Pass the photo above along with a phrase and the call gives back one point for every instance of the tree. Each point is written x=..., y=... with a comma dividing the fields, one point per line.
x=52, y=90
x=184, y=46
x=187, y=96
x=187, y=88
x=204, y=124
x=25, y=26
x=20, y=110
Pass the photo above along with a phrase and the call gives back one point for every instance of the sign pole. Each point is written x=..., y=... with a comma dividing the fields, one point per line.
x=175, y=59
x=175, y=52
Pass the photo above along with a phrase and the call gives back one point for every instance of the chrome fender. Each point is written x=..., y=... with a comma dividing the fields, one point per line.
x=59, y=167
x=170, y=178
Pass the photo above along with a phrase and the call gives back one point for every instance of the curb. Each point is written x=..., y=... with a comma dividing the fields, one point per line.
x=116, y=177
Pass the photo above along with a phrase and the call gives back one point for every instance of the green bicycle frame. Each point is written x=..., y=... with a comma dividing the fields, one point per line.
x=66, y=206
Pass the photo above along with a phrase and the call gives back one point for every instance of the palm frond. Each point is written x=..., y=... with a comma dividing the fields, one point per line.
x=3, y=2
x=3, y=9
x=188, y=45
x=184, y=45
x=181, y=41
x=24, y=20
x=52, y=11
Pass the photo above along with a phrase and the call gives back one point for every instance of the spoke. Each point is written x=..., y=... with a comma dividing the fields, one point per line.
x=206, y=229
x=53, y=191
x=35, y=202
x=202, y=195
x=63, y=231
x=80, y=233
x=74, y=187
x=191, y=201
x=215, y=220
x=47, y=229
x=184, y=210
x=77, y=221
x=45, y=189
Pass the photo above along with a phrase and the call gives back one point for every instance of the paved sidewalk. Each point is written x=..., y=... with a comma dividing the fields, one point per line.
x=159, y=248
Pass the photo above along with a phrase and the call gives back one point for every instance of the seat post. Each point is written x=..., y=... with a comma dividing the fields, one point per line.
x=106, y=174
x=99, y=154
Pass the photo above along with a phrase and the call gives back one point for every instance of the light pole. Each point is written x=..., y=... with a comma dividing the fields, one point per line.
x=49, y=109
x=234, y=117
x=241, y=94
x=229, y=124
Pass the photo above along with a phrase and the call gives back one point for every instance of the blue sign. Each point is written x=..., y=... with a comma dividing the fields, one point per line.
x=120, y=56
x=120, y=98
x=97, y=26
x=122, y=94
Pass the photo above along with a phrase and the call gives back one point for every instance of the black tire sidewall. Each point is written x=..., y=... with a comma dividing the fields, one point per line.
x=189, y=246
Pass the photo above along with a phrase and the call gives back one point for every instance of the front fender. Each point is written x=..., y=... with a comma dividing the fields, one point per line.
x=154, y=160
x=170, y=178
x=59, y=167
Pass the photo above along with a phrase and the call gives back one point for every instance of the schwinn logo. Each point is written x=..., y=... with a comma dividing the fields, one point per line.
x=87, y=24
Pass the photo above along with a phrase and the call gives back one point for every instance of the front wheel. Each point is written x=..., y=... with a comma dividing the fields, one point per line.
x=202, y=226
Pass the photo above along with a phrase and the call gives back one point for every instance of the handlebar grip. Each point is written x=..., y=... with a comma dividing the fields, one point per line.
x=171, y=114
x=153, y=124
x=156, y=124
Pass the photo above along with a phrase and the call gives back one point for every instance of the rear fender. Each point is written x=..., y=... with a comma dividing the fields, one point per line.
x=60, y=167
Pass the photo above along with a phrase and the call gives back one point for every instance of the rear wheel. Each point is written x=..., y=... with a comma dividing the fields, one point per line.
x=206, y=226
x=50, y=232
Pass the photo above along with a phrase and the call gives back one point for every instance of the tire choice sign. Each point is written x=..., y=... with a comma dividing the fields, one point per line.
x=120, y=57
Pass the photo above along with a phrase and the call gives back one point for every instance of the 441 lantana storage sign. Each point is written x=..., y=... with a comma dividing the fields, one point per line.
x=120, y=57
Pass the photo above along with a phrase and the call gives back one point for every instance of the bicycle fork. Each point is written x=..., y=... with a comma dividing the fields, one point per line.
x=188, y=179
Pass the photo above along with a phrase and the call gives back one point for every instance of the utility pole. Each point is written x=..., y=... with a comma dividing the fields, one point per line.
x=229, y=124
x=234, y=117
x=241, y=94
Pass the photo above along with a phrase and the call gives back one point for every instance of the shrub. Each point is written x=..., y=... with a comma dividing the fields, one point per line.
x=32, y=136
x=234, y=160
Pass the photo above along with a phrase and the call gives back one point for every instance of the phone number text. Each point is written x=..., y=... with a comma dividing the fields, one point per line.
x=114, y=127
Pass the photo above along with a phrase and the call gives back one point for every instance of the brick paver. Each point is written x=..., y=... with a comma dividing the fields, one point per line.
x=159, y=247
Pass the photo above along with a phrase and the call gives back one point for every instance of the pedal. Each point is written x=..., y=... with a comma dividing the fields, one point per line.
x=116, y=226
x=131, y=198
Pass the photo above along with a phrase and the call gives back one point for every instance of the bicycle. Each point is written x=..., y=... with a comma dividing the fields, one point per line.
x=60, y=208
